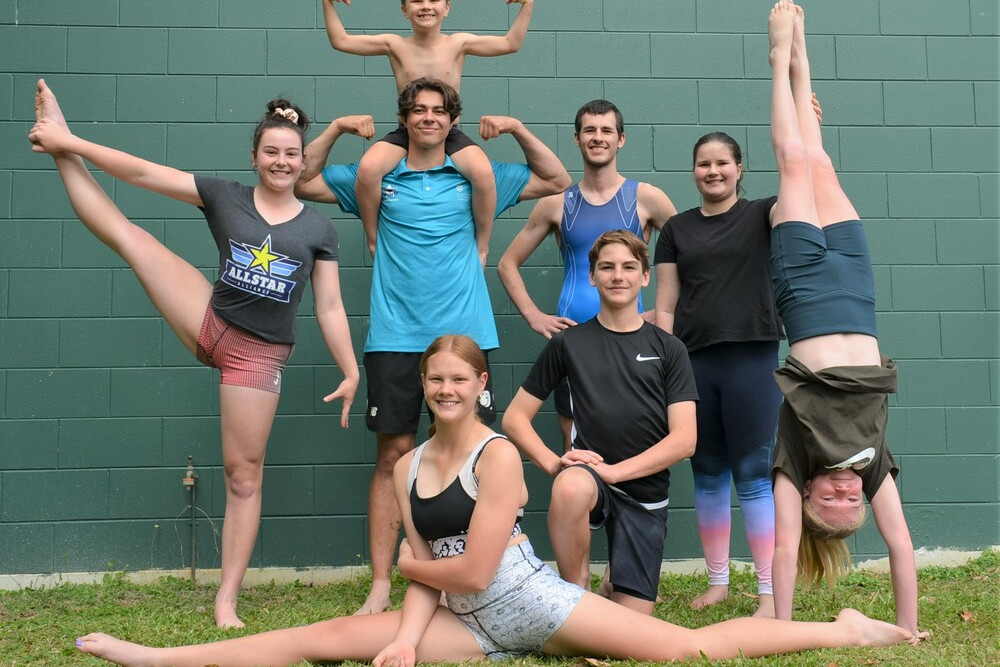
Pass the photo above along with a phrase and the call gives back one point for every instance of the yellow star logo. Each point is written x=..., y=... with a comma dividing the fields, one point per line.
x=263, y=256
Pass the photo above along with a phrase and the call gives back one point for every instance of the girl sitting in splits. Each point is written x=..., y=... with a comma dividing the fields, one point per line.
x=831, y=447
x=461, y=495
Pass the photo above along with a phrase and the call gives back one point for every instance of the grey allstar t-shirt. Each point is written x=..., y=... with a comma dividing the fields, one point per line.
x=263, y=268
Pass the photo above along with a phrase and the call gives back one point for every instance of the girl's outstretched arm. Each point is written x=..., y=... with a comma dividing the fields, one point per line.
x=888, y=511
x=52, y=135
x=787, y=533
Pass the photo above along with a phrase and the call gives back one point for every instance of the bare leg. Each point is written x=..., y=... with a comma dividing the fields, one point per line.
x=832, y=203
x=473, y=163
x=804, y=168
x=377, y=161
x=183, y=298
x=596, y=627
x=795, y=189
x=384, y=519
x=574, y=495
x=634, y=603
x=346, y=638
x=247, y=417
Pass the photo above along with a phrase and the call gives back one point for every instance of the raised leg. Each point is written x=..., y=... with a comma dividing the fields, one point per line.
x=384, y=519
x=795, y=190
x=247, y=417
x=181, y=298
x=832, y=203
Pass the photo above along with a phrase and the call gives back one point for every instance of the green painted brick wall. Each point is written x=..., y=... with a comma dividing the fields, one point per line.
x=100, y=405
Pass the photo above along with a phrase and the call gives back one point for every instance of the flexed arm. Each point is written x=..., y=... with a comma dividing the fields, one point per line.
x=548, y=175
x=492, y=45
x=517, y=424
x=310, y=185
x=678, y=445
x=358, y=45
x=52, y=136
x=501, y=492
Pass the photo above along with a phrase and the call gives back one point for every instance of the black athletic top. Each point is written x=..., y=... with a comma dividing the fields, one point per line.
x=621, y=384
x=448, y=513
x=723, y=262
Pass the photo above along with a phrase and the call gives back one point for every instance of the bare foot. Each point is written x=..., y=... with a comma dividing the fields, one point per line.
x=714, y=595
x=377, y=600
x=50, y=128
x=115, y=650
x=765, y=606
x=225, y=615
x=866, y=631
x=46, y=105
x=799, y=54
x=780, y=27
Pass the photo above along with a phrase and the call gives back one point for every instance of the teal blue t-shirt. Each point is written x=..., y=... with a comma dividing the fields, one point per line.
x=427, y=280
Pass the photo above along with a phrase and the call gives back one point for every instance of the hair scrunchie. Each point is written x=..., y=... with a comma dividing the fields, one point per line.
x=289, y=114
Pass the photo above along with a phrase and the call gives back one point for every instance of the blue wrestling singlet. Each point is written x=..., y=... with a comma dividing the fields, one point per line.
x=582, y=222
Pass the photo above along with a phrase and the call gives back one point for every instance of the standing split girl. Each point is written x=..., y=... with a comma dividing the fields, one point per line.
x=244, y=324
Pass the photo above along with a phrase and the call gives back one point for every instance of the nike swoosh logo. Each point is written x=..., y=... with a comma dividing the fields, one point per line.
x=639, y=357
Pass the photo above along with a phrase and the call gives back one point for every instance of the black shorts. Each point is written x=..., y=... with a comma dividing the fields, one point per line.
x=635, y=539
x=454, y=142
x=395, y=395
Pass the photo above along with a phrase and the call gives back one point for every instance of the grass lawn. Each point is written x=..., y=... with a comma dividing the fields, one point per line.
x=37, y=627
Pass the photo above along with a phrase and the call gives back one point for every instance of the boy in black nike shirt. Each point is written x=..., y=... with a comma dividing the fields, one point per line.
x=633, y=400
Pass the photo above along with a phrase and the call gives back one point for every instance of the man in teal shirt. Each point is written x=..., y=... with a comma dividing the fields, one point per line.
x=427, y=276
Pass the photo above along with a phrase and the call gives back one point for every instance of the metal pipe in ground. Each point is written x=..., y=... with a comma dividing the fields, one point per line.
x=190, y=482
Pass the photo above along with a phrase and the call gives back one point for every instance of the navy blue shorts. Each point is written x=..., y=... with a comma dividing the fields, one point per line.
x=823, y=279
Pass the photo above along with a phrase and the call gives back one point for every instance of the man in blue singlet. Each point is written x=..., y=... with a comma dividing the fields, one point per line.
x=603, y=200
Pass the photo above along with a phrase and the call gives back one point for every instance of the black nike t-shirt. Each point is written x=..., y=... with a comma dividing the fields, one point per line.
x=621, y=385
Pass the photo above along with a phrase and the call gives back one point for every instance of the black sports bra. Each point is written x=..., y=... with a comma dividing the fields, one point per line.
x=443, y=519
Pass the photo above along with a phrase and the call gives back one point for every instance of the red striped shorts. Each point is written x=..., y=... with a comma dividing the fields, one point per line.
x=245, y=359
